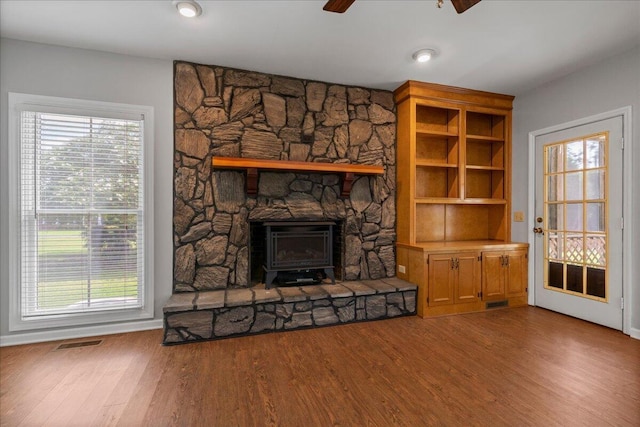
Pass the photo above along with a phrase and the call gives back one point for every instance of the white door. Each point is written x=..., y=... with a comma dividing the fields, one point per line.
x=578, y=222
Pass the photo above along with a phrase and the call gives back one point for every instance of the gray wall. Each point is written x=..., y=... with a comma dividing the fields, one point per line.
x=74, y=73
x=56, y=71
x=608, y=85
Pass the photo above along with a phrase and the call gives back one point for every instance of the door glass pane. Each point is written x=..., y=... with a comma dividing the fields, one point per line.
x=575, y=157
x=575, y=216
x=555, y=158
x=556, y=216
x=595, y=152
x=555, y=275
x=574, y=185
x=555, y=245
x=596, y=250
x=595, y=184
x=575, y=278
x=595, y=217
x=555, y=187
x=574, y=248
x=596, y=283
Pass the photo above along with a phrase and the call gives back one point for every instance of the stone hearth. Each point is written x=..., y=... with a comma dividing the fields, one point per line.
x=211, y=315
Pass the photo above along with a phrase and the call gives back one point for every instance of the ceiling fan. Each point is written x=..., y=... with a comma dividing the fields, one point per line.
x=341, y=6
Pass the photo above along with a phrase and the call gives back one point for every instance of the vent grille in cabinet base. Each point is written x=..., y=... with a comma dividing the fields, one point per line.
x=497, y=304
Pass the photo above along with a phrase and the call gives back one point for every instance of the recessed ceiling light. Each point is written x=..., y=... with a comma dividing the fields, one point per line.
x=188, y=8
x=424, y=55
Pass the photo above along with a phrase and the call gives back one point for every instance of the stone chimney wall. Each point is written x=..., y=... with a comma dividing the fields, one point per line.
x=234, y=113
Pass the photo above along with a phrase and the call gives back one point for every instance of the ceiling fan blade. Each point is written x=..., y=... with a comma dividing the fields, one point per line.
x=338, y=6
x=462, y=5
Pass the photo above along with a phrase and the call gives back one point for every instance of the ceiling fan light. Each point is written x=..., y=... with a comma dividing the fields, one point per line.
x=188, y=8
x=424, y=55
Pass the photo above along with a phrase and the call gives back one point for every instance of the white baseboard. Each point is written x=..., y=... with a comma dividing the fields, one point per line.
x=634, y=333
x=80, y=332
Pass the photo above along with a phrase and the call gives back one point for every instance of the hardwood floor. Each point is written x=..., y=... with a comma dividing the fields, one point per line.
x=515, y=367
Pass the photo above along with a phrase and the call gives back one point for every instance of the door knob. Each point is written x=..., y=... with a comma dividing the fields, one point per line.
x=538, y=230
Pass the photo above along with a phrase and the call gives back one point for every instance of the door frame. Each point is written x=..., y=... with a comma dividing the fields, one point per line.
x=627, y=203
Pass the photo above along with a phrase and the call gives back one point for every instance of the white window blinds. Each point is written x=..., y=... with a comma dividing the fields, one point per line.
x=81, y=213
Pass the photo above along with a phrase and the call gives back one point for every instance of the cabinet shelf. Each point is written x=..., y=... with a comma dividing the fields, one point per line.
x=437, y=149
x=485, y=154
x=484, y=201
x=451, y=201
x=484, y=168
x=438, y=200
x=436, y=181
x=484, y=183
x=485, y=127
x=424, y=131
x=459, y=221
x=483, y=138
x=433, y=164
x=437, y=121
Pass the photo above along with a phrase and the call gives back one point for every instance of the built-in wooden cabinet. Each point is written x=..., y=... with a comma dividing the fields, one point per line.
x=493, y=276
x=454, y=278
x=516, y=270
x=504, y=274
x=453, y=197
x=442, y=278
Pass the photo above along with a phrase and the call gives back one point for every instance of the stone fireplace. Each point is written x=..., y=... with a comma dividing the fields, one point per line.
x=224, y=113
x=233, y=113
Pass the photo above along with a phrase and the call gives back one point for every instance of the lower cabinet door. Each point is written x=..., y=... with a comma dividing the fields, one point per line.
x=493, y=275
x=441, y=279
x=467, y=266
x=517, y=273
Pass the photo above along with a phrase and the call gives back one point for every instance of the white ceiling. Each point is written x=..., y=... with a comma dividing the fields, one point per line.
x=501, y=46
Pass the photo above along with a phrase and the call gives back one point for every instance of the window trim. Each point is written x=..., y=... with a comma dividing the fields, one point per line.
x=19, y=102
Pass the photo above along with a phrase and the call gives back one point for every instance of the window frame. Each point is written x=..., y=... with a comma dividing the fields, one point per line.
x=19, y=102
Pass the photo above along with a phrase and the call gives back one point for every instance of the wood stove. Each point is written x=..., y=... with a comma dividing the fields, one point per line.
x=296, y=251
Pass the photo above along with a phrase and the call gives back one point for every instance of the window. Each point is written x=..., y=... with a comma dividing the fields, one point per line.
x=82, y=241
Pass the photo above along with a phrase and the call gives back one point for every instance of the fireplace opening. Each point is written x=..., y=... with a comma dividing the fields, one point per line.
x=295, y=253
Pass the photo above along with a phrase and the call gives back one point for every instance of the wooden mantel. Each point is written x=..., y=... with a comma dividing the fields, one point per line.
x=253, y=166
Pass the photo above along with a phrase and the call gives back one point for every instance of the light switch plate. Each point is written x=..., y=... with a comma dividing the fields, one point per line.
x=518, y=216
